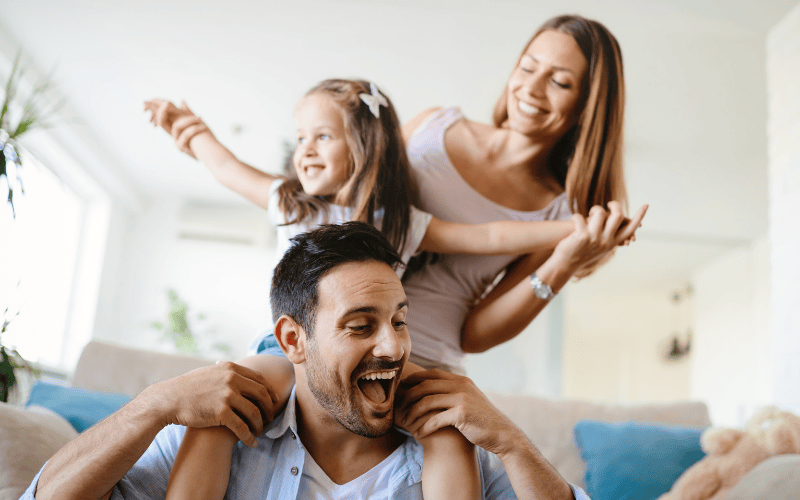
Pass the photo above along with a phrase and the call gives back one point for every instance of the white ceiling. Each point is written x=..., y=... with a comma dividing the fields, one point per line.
x=695, y=72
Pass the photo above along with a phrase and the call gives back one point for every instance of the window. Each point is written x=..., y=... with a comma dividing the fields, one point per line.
x=38, y=255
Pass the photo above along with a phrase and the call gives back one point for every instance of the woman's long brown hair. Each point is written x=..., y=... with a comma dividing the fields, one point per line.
x=587, y=161
x=380, y=175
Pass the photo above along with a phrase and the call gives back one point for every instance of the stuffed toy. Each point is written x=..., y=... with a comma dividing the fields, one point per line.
x=731, y=453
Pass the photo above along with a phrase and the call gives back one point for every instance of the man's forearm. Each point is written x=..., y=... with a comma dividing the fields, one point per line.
x=89, y=466
x=531, y=476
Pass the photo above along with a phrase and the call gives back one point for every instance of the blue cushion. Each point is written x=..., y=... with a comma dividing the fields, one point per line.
x=80, y=407
x=632, y=460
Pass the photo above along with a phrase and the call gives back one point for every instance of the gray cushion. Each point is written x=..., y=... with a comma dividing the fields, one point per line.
x=776, y=478
x=28, y=438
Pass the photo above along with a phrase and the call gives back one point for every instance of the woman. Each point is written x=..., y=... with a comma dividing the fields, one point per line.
x=555, y=147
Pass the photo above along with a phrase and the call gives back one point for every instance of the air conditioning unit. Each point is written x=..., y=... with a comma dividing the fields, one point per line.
x=235, y=224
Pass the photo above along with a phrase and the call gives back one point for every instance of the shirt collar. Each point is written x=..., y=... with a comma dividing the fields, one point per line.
x=286, y=420
x=409, y=472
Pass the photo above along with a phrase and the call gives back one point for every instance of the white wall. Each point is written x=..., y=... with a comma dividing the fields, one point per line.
x=531, y=363
x=228, y=283
x=783, y=72
x=731, y=369
x=614, y=349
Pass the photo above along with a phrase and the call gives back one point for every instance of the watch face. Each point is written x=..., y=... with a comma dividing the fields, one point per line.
x=541, y=292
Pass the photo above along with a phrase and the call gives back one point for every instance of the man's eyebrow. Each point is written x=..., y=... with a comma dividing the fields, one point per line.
x=557, y=68
x=371, y=309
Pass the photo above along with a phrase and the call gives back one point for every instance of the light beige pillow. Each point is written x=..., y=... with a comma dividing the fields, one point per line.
x=28, y=438
x=776, y=478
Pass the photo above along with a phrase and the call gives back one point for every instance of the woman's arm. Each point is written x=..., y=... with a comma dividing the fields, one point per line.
x=193, y=137
x=494, y=238
x=512, y=304
x=203, y=464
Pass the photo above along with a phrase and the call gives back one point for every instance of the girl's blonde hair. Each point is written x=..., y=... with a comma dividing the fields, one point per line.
x=380, y=175
x=587, y=160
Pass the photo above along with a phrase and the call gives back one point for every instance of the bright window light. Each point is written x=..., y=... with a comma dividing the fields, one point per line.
x=38, y=252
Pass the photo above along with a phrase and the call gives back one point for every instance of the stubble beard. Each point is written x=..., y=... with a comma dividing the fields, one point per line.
x=339, y=401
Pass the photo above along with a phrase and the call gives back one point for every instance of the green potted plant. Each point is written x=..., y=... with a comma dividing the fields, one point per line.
x=185, y=334
x=11, y=361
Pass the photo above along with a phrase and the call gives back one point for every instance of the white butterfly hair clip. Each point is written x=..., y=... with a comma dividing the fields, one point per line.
x=374, y=100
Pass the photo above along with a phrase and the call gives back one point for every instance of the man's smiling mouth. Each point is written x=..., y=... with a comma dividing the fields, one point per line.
x=376, y=386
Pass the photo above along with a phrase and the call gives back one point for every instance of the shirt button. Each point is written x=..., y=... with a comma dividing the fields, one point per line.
x=294, y=471
x=292, y=434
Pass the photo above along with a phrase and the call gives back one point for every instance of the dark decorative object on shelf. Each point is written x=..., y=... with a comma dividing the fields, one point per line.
x=680, y=349
x=679, y=345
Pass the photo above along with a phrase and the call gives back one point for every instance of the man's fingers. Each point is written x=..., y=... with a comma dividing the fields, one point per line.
x=430, y=403
x=238, y=426
x=435, y=373
x=249, y=413
x=436, y=422
x=428, y=388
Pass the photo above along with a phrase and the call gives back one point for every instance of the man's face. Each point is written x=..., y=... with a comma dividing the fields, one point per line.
x=359, y=346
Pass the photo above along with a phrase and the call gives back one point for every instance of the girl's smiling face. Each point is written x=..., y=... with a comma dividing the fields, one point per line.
x=322, y=158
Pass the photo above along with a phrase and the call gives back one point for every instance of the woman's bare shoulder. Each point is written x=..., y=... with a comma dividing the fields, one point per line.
x=412, y=125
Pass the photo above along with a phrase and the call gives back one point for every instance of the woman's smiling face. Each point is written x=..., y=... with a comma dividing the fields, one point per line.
x=322, y=158
x=544, y=91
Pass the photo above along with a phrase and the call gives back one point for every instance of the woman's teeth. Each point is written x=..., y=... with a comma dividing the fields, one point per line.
x=528, y=109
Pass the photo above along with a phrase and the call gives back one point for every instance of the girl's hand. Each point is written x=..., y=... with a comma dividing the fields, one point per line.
x=596, y=237
x=180, y=122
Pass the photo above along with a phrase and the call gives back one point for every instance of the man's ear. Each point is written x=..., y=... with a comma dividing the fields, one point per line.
x=291, y=338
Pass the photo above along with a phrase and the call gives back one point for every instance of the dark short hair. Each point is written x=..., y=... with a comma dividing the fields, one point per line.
x=311, y=255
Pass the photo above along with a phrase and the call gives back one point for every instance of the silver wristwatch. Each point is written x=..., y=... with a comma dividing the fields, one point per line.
x=540, y=289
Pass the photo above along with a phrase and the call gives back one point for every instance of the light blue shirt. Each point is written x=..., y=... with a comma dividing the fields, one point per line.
x=274, y=468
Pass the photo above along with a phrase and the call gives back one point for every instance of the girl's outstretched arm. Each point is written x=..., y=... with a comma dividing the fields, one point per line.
x=494, y=238
x=193, y=137
x=512, y=304
x=203, y=464
x=450, y=465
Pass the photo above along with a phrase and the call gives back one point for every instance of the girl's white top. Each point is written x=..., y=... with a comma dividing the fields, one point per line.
x=336, y=214
x=441, y=293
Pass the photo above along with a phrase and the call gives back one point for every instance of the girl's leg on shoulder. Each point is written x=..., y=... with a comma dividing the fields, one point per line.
x=203, y=463
x=450, y=465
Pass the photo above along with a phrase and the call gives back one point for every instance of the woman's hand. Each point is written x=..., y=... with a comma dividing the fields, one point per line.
x=434, y=399
x=596, y=237
x=180, y=122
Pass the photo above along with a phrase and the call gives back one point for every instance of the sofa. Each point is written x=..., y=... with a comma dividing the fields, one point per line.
x=29, y=436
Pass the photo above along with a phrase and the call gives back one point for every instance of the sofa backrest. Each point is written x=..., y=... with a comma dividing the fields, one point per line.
x=549, y=423
x=110, y=368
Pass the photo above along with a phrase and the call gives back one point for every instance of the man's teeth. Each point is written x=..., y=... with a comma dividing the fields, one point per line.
x=528, y=109
x=379, y=375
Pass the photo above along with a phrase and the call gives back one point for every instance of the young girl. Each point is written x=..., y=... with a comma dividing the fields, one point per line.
x=350, y=164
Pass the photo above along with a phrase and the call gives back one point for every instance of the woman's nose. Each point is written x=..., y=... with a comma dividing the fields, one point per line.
x=535, y=83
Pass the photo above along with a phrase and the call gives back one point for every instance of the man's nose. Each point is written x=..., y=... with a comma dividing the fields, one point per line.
x=388, y=344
